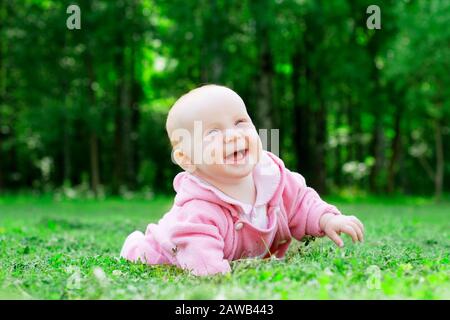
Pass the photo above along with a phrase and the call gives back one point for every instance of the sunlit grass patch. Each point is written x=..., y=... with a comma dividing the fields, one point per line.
x=69, y=249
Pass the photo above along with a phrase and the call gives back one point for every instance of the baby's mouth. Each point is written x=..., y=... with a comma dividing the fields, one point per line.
x=236, y=156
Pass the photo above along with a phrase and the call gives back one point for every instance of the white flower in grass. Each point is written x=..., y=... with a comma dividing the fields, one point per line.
x=72, y=269
x=74, y=280
x=406, y=267
x=100, y=275
x=70, y=193
x=328, y=272
x=138, y=296
x=117, y=273
x=220, y=296
x=374, y=277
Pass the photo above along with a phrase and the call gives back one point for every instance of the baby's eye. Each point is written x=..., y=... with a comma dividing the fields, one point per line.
x=212, y=131
x=240, y=121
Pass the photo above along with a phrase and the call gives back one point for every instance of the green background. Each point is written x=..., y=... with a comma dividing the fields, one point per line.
x=358, y=110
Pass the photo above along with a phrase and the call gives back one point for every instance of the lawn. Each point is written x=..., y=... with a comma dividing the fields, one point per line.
x=68, y=249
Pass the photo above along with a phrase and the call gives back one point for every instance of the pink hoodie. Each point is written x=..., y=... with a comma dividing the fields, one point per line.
x=205, y=228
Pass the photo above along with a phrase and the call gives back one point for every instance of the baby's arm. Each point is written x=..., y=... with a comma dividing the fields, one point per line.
x=199, y=244
x=309, y=215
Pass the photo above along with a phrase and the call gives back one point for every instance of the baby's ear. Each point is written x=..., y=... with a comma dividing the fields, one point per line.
x=183, y=160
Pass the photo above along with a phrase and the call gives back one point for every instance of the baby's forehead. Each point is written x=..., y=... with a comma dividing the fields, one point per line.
x=202, y=104
x=211, y=96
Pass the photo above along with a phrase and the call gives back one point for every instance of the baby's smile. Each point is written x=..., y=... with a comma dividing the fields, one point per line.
x=237, y=157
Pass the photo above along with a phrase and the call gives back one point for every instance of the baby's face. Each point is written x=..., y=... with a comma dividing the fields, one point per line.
x=226, y=144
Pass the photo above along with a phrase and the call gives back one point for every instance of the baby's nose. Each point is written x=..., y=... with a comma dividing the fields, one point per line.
x=231, y=135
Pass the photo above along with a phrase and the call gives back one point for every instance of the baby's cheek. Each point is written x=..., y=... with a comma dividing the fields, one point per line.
x=212, y=153
x=255, y=145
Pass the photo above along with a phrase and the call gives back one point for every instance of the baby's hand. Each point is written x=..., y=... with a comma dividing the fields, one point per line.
x=333, y=225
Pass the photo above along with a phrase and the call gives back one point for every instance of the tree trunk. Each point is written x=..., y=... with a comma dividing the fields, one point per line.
x=338, y=152
x=211, y=63
x=377, y=151
x=351, y=124
x=135, y=117
x=118, y=172
x=439, y=173
x=67, y=165
x=3, y=78
x=66, y=143
x=135, y=91
x=377, y=145
x=125, y=106
x=301, y=132
x=377, y=107
x=359, y=146
x=396, y=148
x=264, y=88
x=123, y=163
x=93, y=138
x=266, y=69
x=94, y=161
x=1, y=158
x=319, y=176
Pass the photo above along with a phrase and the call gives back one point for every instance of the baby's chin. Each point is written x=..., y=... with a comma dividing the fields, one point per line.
x=232, y=171
x=227, y=172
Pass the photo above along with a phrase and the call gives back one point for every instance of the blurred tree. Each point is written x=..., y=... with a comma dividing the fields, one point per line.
x=356, y=108
x=419, y=62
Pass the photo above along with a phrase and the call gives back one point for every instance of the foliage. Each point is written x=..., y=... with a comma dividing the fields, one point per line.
x=356, y=107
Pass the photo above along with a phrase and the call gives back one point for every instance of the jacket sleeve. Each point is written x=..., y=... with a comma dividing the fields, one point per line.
x=199, y=245
x=304, y=207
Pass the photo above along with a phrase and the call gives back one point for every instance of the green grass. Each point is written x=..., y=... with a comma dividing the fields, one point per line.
x=69, y=250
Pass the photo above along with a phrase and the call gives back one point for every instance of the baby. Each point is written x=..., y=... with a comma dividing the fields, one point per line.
x=234, y=200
